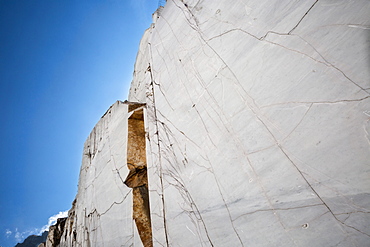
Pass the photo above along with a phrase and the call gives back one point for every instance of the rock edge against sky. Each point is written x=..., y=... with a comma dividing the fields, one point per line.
x=256, y=120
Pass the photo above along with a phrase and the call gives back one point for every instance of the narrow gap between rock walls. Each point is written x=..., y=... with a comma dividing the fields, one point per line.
x=137, y=179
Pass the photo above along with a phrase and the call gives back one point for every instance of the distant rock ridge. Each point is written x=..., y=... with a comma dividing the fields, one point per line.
x=247, y=124
x=33, y=240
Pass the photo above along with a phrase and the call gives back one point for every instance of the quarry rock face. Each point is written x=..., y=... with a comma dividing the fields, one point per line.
x=247, y=124
x=55, y=233
x=102, y=212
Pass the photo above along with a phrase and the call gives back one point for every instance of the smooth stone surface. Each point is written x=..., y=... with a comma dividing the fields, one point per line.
x=258, y=117
x=257, y=130
x=102, y=212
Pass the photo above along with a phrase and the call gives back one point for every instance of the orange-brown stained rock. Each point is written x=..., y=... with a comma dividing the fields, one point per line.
x=136, y=152
x=132, y=106
x=137, y=177
x=141, y=214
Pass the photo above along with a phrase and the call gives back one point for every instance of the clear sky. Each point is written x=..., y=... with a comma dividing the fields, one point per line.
x=62, y=64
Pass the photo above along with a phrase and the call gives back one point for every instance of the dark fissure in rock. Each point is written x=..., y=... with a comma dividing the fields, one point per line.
x=137, y=179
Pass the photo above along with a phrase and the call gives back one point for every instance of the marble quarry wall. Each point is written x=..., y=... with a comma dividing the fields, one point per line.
x=113, y=186
x=247, y=124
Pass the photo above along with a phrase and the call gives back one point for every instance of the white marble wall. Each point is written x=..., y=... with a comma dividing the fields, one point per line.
x=258, y=122
x=102, y=215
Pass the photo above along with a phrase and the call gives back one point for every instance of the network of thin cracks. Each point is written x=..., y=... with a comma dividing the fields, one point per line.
x=174, y=174
x=94, y=224
x=159, y=153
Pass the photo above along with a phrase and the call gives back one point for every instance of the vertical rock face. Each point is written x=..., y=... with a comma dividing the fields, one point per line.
x=102, y=212
x=258, y=117
x=55, y=233
x=137, y=178
x=256, y=122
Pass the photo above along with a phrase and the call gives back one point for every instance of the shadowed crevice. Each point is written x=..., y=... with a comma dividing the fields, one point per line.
x=137, y=179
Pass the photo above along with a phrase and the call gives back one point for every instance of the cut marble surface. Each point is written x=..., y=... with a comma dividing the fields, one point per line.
x=258, y=123
x=257, y=130
x=102, y=212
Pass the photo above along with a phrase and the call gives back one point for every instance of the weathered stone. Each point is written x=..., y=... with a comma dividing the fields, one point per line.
x=141, y=214
x=55, y=233
x=137, y=178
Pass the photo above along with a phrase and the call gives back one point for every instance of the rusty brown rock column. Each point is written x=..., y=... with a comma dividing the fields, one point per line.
x=137, y=178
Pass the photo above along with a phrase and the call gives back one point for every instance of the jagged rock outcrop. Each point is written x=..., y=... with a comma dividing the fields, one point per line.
x=55, y=233
x=256, y=118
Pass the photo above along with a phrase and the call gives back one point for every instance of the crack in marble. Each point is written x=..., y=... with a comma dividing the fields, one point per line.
x=278, y=209
x=116, y=170
x=227, y=209
x=163, y=94
x=283, y=150
x=303, y=17
x=187, y=196
x=250, y=107
x=332, y=65
x=316, y=102
x=171, y=174
x=159, y=150
x=114, y=203
x=336, y=192
x=357, y=211
x=163, y=127
x=298, y=124
x=226, y=203
x=319, y=197
x=207, y=169
x=263, y=38
x=166, y=129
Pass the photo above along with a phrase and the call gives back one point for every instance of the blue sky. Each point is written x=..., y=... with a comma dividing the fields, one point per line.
x=62, y=64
